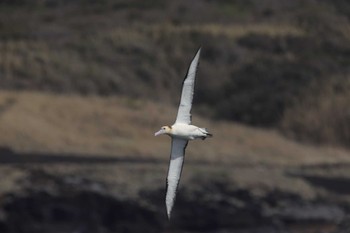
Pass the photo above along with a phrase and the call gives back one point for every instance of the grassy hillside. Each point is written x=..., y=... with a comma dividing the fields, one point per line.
x=49, y=123
x=259, y=60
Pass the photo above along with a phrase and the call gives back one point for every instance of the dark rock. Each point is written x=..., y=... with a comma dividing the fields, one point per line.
x=73, y=205
x=75, y=212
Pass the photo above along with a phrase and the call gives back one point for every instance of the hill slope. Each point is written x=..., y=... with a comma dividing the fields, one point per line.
x=39, y=122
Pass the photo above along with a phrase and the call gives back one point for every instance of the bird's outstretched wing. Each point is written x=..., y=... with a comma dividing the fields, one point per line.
x=184, y=112
x=177, y=156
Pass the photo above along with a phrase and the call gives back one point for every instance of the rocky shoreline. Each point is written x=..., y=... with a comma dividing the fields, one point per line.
x=53, y=204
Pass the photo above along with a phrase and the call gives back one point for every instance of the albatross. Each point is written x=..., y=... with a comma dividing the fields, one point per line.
x=181, y=132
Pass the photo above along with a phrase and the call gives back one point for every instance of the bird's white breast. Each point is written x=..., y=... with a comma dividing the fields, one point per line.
x=185, y=131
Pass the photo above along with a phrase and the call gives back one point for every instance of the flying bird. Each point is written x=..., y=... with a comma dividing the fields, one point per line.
x=181, y=132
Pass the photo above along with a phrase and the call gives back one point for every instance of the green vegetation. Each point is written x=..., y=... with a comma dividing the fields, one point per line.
x=261, y=62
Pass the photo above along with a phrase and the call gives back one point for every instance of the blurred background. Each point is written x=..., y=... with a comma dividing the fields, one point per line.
x=84, y=84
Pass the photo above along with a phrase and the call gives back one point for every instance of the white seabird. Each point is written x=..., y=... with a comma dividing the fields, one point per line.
x=181, y=132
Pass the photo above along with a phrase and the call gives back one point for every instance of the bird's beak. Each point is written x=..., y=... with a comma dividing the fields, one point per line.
x=159, y=132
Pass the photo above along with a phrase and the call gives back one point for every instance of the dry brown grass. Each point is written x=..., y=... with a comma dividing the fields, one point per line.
x=103, y=61
x=323, y=116
x=124, y=127
x=233, y=31
x=35, y=64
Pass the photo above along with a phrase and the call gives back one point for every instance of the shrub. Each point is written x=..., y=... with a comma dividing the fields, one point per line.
x=322, y=115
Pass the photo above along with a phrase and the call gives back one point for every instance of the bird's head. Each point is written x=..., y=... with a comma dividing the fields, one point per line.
x=164, y=130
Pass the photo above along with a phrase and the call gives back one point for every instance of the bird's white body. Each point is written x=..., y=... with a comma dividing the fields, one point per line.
x=187, y=132
x=181, y=132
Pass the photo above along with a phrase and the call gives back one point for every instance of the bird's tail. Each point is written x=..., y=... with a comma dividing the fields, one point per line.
x=206, y=133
